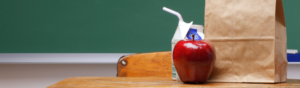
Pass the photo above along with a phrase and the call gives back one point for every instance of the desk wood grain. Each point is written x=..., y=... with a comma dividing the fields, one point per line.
x=125, y=82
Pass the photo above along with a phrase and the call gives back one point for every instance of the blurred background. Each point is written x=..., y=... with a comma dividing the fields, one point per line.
x=45, y=41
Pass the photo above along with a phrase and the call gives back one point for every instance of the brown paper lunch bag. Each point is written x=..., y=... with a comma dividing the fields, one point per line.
x=250, y=40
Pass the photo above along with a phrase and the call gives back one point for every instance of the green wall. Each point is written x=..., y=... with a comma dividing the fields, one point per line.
x=104, y=26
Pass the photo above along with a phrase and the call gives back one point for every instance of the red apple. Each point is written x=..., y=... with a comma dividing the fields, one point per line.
x=193, y=60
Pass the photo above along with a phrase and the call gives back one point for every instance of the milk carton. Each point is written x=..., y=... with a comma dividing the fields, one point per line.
x=180, y=34
x=184, y=31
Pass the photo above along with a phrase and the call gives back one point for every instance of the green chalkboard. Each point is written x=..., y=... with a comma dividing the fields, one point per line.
x=292, y=19
x=104, y=26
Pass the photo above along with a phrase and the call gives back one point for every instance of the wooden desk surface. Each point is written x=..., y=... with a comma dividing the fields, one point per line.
x=96, y=82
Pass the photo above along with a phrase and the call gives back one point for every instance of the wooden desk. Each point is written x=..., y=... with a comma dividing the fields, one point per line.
x=95, y=82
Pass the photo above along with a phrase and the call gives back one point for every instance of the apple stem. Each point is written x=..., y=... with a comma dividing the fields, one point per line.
x=193, y=37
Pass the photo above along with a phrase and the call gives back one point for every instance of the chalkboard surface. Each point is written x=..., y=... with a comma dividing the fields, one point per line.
x=105, y=26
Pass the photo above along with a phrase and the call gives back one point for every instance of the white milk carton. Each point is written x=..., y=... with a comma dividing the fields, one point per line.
x=183, y=34
x=184, y=31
